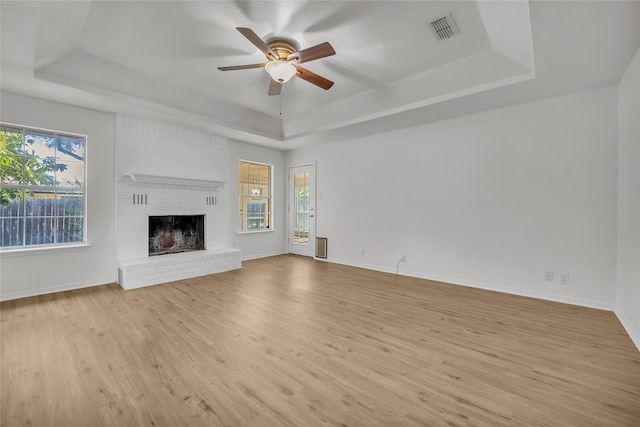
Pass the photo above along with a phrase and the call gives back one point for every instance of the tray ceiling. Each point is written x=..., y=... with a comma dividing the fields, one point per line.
x=160, y=59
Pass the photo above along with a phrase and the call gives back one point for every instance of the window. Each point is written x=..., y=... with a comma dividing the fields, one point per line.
x=255, y=196
x=42, y=188
x=301, y=208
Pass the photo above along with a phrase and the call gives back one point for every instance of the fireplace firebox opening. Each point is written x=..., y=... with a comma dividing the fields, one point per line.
x=170, y=234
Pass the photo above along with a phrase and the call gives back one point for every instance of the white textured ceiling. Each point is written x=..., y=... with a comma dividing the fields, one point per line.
x=159, y=59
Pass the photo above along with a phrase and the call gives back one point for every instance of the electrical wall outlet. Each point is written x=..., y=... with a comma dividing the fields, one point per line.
x=403, y=259
x=548, y=276
x=564, y=279
x=361, y=252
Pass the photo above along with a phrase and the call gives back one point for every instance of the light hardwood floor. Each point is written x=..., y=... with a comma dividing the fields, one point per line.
x=289, y=341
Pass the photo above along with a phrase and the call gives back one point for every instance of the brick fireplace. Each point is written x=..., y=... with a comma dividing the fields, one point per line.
x=168, y=171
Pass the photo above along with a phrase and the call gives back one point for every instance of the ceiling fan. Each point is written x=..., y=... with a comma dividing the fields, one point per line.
x=283, y=62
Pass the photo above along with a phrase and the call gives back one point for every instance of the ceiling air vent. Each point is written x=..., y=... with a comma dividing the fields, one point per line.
x=444, y=27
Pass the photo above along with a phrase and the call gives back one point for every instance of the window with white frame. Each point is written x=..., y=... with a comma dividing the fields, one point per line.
x=255, y=189
x=42, y=188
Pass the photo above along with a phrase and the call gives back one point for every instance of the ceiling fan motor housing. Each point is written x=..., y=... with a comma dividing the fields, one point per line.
x=282, y=48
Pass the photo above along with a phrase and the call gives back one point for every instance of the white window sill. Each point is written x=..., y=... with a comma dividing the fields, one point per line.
x=8, y=253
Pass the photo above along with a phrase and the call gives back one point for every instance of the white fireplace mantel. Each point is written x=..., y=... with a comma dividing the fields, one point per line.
x=172, y=180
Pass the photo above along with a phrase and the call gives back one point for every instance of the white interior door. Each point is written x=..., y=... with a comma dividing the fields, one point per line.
x=302, y=205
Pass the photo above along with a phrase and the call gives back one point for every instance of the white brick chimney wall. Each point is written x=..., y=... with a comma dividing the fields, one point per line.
x=192, y=163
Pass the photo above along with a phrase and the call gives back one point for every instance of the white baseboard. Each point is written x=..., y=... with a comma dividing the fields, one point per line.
x=264, y=255
x=524, y=292
x=631, y=331
x=49, y=290
x=490, y=287
x=7, y=296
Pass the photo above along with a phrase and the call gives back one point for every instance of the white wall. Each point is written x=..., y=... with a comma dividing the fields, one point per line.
x=33, y=274
x=628, y=291
x=265, y=243
x=492, y=199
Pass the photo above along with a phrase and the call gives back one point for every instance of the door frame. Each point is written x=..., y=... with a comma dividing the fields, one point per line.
x=312, y=205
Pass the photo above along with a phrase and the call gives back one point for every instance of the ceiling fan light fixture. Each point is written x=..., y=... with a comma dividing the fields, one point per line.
x=280, y=71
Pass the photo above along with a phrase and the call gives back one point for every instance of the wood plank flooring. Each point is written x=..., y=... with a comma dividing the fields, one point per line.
x=289, y=341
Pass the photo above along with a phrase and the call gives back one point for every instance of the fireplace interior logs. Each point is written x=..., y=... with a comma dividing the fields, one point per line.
x=171, y=234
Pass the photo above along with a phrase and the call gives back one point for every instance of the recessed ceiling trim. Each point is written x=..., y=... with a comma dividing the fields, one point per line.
x=491, y=70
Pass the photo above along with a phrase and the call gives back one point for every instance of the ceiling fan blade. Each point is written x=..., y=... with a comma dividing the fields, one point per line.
x=274, y=87
x=313, y=78
x=316, y=52
x=258, y=42
x=241, y=67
